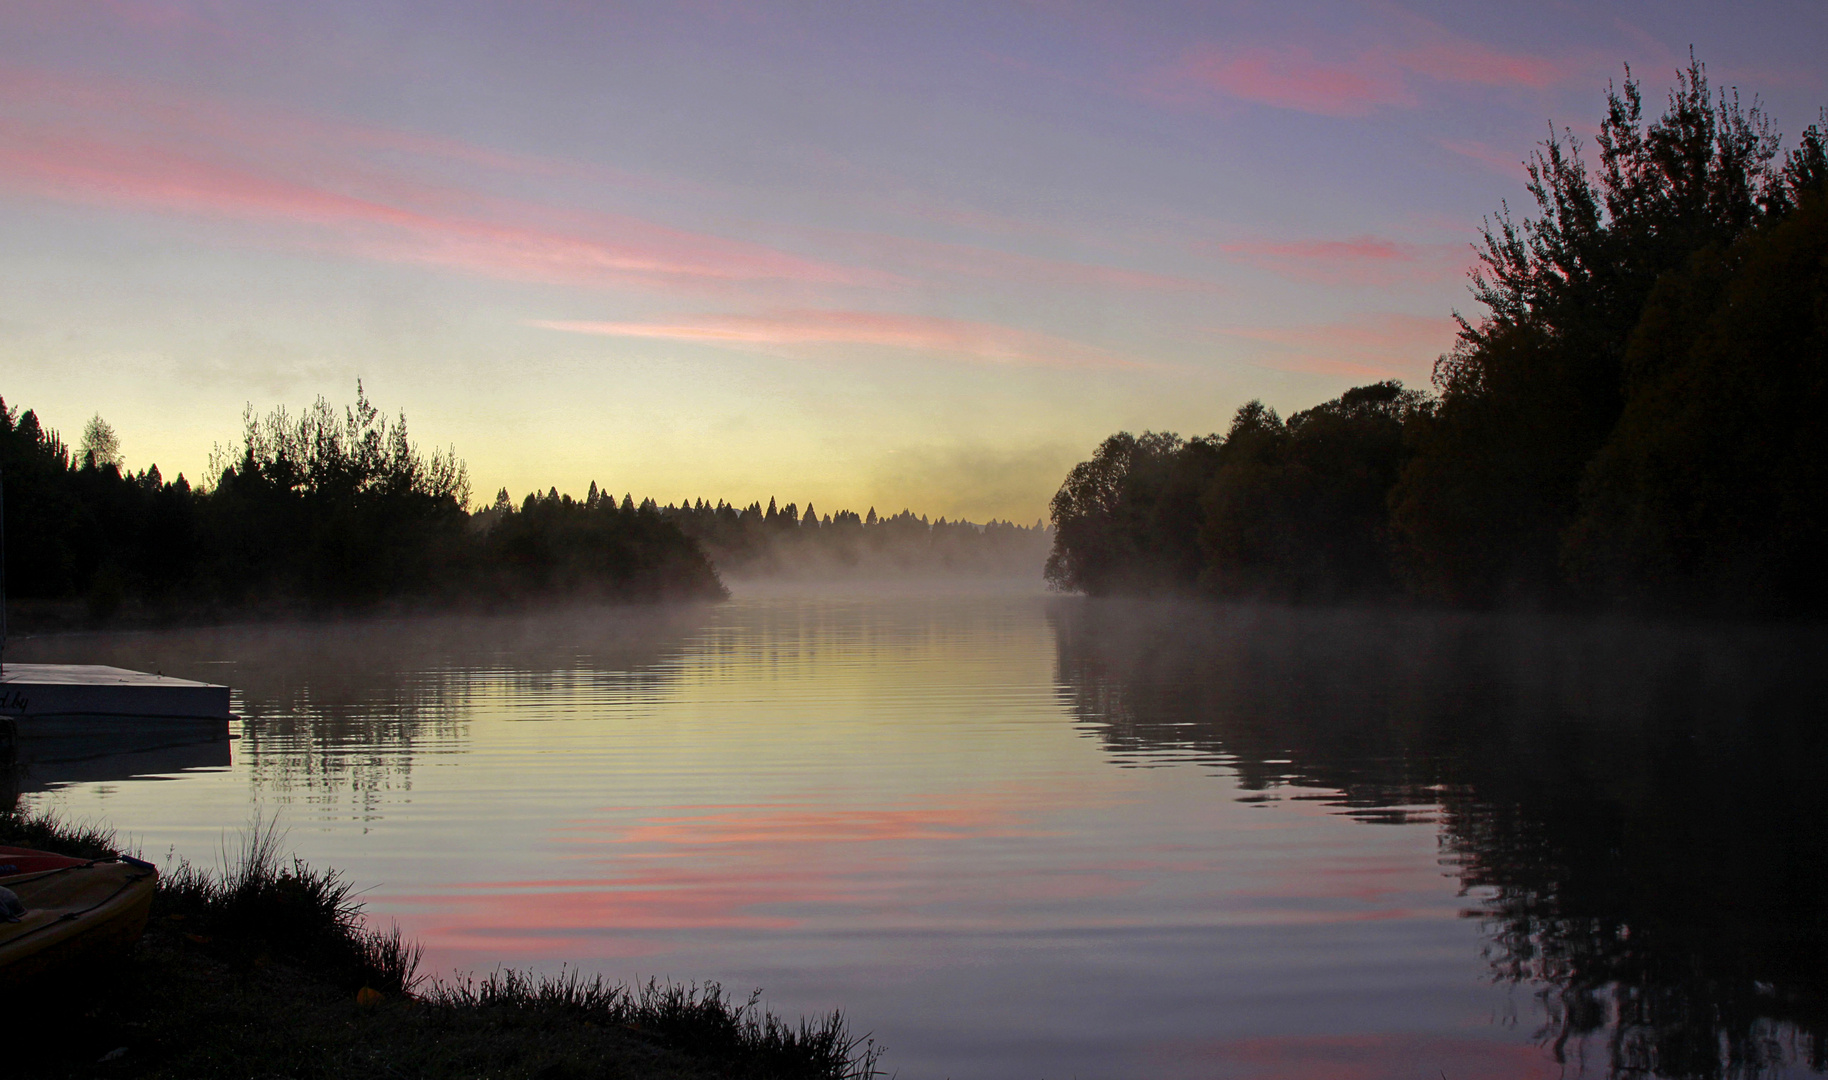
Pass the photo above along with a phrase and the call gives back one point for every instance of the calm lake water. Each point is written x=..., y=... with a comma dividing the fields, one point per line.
x=1020, y=836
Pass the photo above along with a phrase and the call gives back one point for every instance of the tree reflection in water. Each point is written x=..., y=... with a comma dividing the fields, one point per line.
x=1638, y=812
x=351, y=705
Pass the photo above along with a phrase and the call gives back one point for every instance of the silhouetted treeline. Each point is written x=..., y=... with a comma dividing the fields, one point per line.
x=784, y=541
x=1641, y=417
x=1638, y=814
x=1294, y=508
x=328, y=509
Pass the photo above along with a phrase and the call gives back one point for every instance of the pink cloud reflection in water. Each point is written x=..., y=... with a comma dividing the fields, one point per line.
x=1003, y=890
x=693, y=868
x=1362, y=1057
x=885, y=807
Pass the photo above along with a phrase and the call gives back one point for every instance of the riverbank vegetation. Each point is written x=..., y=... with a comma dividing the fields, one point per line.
x=268, y=969
x=1637, y=420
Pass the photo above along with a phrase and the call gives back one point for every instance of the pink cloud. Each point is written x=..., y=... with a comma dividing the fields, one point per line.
x=272, y=134
x=1381, y=346
x=1503, y=162
x=1291, y=78
x=346, y=188
x=1359, y=260
x=1460, y=61
x=988, y=342
x=1354, y=83
x=137, y=15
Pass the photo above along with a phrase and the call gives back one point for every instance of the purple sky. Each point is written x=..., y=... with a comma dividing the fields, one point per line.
x=914, y=255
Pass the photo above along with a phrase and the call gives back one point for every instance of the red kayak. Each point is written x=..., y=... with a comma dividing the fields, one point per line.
x=18, y=860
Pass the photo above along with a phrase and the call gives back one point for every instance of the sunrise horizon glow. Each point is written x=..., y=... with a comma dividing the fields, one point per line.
x=916, y=258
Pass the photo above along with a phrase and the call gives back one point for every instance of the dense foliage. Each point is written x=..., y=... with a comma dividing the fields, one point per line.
x=333, y=505
x=328, y=509
x=1291, y=509
x=1637, y=419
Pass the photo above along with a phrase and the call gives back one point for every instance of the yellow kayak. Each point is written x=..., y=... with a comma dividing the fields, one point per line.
x=64, y=911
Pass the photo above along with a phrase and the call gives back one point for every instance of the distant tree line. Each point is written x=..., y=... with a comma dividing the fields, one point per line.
x=784, y=541
x=337, y=509
x=1637, y=420
x=327, y=509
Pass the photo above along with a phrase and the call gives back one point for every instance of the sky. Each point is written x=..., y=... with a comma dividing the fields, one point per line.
x=891, y=255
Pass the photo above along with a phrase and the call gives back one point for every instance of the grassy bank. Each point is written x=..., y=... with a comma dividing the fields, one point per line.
x=267, y=969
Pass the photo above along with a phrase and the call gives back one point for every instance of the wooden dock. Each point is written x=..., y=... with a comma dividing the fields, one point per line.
x=63, y=712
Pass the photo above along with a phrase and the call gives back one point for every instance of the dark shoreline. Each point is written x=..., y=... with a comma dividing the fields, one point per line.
x=268, y=969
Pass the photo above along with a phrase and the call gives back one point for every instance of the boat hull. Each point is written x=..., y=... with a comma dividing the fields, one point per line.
x=78, y=912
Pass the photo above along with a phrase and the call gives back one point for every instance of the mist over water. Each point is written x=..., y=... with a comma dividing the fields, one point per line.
x=1016, y=835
